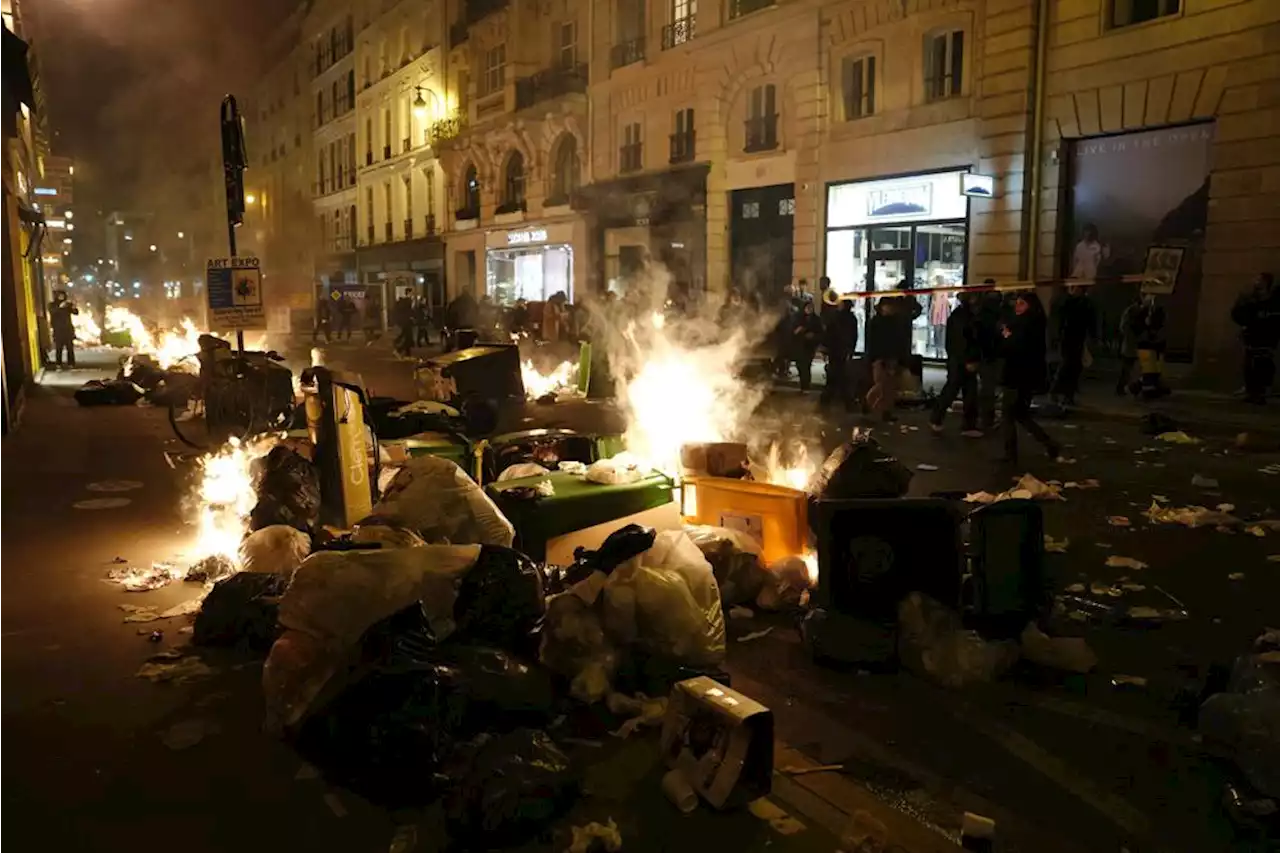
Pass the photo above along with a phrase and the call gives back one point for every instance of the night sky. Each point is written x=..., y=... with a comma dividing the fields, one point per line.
x=133, y=86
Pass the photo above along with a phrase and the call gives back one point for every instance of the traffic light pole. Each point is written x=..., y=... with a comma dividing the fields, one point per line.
x=234, y=162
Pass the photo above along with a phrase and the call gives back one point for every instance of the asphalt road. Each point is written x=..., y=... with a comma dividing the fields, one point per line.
x=1066, y=763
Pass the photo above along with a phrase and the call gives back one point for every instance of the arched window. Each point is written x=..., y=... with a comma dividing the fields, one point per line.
x=470, y=194
x=566, y=170
x=513, y=184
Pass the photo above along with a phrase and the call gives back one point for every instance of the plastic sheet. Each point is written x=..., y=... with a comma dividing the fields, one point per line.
x=932, y=642
x=436, y=499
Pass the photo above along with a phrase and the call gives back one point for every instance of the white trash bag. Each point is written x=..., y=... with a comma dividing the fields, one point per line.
x=666, y=602
x=335, y=597
x=934, y=643
x=436, y=499
x=277, y=549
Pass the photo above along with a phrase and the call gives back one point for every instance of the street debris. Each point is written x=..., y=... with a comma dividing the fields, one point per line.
x=187, y=733
x=1115, y=561
x=1256, y=530
x=1090, y=483
x=1273, y=558
x=641, y=710
x=1027, y=488
x=933, y=642
x=335, y=804
x=864, y=832
x=1143, y=613
x=1270, y=469
x=1244, y=720
x=1202, y=482
x=925, y=466
x=595, y=836
x=679, y=791
x=405, y=839
x=151, y=613
x=275, y=549
x=755, y=635
x=1070, y=654
x=174, y=666
x=805, y=771
x=1101, y=589
x=1235, y=576
x=977, y=832
x=1133, y=587
x=778, y=819
x=1055, y=546
x=144, y=579
x=1178, y=437
x=1128, y=681
x=1075, y=587
x=1118, y=520
x=1190, y=516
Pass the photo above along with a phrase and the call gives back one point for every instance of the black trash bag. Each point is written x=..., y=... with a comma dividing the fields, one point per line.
x=288, y=489
x=409, y=702
x=621, y=545
x=501, y=601
x=860, y=468
x=143, y=371
x=1155, y=423
x=502, y=790
x=114, y=392
x=242, y=611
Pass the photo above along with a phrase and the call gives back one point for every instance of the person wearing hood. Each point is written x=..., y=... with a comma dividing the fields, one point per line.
x=61, y=310
x=1024, y=348
x=840, y=338
x=806, y=335
x=964, y=355
x=1075, y=323
x=888, y=349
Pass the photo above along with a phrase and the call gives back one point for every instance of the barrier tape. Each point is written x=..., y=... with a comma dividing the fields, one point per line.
x=999, y=287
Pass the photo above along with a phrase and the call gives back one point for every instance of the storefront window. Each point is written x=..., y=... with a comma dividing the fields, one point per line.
x=533, y=274
x=895, y=233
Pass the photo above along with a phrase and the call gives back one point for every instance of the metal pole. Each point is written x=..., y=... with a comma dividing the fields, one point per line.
x=234, y=162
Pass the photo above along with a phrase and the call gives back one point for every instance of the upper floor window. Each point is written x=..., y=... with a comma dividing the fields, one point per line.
x=682, y=140
x=495, y=69
x=762, y=119
x=513, y=184
x=631, y=153
x=858, y=86
x=943, y=65
x=567, y=45
x=684, y=16
x=1123, y=13
x=566, y=169
x=628, y=43
x=738, y=8
x=471, y=192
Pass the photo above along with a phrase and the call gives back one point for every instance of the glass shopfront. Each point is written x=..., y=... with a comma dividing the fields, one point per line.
x=898, y=233
x=526, y=265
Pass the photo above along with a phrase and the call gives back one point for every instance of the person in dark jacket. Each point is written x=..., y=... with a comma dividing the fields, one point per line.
x=346, y=310
x=1151, y=340
x=402, y=316
x=1257, y=313
x=62, y=328
x=461, y=313
x=988, y=309
x=806, y=335
x=840, y=338
x=324, y=322
x=964, y=355
x=888, y=349
x=1024, y=350
x=1075, y=324
x=422, y=321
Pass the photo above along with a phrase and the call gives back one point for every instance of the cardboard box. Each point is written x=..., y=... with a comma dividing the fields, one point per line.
x=721, y=740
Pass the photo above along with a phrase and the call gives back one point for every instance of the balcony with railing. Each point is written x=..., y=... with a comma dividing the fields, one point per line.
x=471, y=211
x=368, y=156
x=407, y=144
x=761, y=133
x=408, y=228
x=388, y=232
x=627, y=53
x=738, y=8
x=551, y=83
x=446, y=129
x=631, y=157
x=679, y=32
x=431, y=224
x=386, y=151
x=683, y=146
x=368, y=237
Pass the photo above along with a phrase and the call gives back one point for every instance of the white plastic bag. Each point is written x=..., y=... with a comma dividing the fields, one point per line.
x=666, y=602
x=381, y=532
x=520, y=470
x=620, y=469
x=335, y=597
x=574, y=644
x=735, y=559
x=436, y=499
x=933, y=642
x=278, y=549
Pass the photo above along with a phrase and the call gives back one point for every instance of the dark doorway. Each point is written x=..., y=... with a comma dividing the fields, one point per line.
x=761, y=239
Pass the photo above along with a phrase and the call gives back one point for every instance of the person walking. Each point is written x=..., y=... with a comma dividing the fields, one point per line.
x=372, y=317
x=1075, y=323
x=805, y=336
x=402, y=317
x=346, y=310
x=422, y=321
x=63, y=329
x=323, y=320
x=964, y=355
x=887, y=350
x=840, y=338
x=1024, y=345
x=1257, y=313
x=1131, y=322
x=989, y=307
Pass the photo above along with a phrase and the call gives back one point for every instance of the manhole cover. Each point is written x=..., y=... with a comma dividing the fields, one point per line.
x=114, y=486
x=102, y=503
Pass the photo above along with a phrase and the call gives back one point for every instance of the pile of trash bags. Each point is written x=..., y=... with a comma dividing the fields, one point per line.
x=141, y=377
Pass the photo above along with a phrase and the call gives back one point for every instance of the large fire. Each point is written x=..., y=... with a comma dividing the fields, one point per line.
x=87, y=330
x=793, y=469
x=225, y=497
x=561, y=379
x=168, y=348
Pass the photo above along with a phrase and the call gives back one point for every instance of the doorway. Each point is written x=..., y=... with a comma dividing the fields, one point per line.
x=761, y=238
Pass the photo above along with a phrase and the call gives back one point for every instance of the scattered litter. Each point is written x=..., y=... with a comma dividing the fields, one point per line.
x=1235, y=576
x=1099, y=588
x=114, y=486
x=676, y=787
x=779, y=820
x=642, y=710
x=334, y=802
x=1118, y=520
x=1273, y=468
x=140, y=579
x=1090, y=483
x=925, y=466
x=1178, y=437
x=102, y=503
x=1143, y=613
x=1066, y=460
x=1164, y=499
x=755, y=635
x=1201, y=482
x=212, y=568
x=1027, y=488
x=1274, y=558
x=187, y=733
x=864, y=832
x=1225, y=507
x=977, y=832
x=306, y=773
x=1133, y=587
x=1076, y=588
x=1055, y=546
x=1256, y=530
x=174, y=667
x=1128, y=681
x=156, y=636
x=405, y=839
x=1102, y=544
x=1070, y=654
x=739, y=612
x=805, y=771
x=608, y=836
x=1115, y=561
x=1190, y=516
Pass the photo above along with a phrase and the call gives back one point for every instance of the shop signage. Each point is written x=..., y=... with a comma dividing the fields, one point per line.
x=928, y=197
x=977, y=186
x=909, y=200
x=45, y=191
x=233, y=287
x=524, y=238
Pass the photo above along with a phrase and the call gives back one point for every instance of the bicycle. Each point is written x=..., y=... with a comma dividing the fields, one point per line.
x=237, y=394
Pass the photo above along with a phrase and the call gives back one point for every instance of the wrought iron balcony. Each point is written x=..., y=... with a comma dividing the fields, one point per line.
x=387, y=232
x=631, y=157
x=431, y=224
x=447, y=128
x=408, y=228
x=683, y=146
x=761, y=133
x=678, y=32
x=465, y=213
x=549, y=84
x=627, y=53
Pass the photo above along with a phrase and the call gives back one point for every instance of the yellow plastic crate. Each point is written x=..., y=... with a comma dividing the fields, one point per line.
x=778, y=517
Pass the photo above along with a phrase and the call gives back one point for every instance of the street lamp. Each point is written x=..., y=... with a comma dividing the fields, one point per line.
x=152, y=247
x=250, y=198
x=181, y=235
x=419, y=103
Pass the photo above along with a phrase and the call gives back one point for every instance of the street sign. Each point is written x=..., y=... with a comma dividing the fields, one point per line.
x=234, y=288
